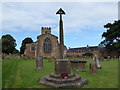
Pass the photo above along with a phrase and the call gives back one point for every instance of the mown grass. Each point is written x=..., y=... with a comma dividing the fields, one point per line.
x=20, y=73
x=0, y=73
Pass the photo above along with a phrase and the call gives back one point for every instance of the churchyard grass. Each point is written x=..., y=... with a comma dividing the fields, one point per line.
x=0, y=73
x=20, y=73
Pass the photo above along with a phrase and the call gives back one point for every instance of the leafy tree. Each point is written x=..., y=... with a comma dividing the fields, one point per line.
x=16, y=51
x=24, y=42
x=8, y=44
x=112, y=35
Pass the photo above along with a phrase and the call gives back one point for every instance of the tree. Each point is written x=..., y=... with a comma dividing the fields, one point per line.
x=24, y=42
x=8, y=44
x=112, y=35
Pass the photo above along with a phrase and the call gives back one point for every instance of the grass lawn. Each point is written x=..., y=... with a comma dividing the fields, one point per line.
x=0, y=73
x=19, y=73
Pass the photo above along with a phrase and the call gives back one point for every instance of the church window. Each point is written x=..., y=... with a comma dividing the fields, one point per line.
x=32, y=47
x=47, y=45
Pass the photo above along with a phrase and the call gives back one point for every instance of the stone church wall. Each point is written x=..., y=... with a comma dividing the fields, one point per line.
x=28, y=52
x=55, y=46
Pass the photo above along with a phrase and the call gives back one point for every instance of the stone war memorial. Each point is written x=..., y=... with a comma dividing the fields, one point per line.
x=62, y=76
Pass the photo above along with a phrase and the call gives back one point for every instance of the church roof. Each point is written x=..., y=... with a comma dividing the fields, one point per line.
x=83, y=49
x=49, y=34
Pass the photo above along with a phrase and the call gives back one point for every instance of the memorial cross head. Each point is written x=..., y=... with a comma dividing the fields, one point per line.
x=60, y=11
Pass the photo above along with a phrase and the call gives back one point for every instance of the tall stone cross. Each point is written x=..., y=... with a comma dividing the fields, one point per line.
x=61, y=36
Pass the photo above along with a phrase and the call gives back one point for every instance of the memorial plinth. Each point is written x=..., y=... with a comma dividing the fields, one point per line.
x=78, y=65
x=63, y=78
x=62, y=66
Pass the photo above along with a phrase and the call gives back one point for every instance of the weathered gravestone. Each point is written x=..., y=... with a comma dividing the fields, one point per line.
x=100, y=58
x=93, y=68
x=95, y=65
x=95, y=59
x=78, y=65
x=39, y=63
x=62, y=77
x=108, y=58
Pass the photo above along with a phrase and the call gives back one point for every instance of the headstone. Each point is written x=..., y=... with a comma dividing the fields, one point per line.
x=93, y=68
x=102, y=58
x=78, y=65
x=39, y=63
x=115, y=57
x=108, y=58
x=95, y=59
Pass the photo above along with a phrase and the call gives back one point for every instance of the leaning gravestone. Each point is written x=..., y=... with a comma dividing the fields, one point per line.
x=39, y=63
x=95, y=59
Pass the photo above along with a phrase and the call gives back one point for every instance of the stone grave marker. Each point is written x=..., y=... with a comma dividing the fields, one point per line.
x=78, y=65
x=39, y=63
x=95, y=59
x=93, y=68
x=108, y=58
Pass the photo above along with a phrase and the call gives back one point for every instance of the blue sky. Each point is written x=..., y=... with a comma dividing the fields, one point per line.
x=83, y=22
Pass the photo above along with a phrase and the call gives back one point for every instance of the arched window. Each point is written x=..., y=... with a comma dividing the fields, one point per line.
x=47, y=45
x=32, y=47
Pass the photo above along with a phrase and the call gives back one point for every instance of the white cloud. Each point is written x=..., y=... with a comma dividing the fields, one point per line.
x=24, y=18
x=92, y=15
x=32, y=16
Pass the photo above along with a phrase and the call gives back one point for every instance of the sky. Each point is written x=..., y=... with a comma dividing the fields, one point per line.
x=83, y=22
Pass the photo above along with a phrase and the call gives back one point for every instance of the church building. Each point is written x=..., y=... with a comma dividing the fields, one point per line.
x=47, y=45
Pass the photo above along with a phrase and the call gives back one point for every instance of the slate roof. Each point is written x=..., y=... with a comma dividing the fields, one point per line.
x=83, y=49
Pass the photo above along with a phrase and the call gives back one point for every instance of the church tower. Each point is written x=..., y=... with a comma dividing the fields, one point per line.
x=45, y=30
